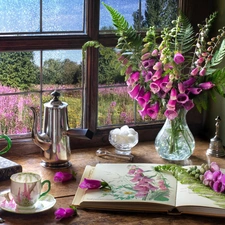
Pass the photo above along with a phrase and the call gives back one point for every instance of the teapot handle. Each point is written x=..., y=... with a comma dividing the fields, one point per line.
x=9, y=144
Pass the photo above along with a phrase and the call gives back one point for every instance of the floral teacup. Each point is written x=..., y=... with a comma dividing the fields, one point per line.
x=26, y=188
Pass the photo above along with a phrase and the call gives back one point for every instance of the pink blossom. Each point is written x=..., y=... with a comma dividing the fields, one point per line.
x=218, y=186
x=134, y=77
x=157, y=75
x=173, y=94
x=144, y=99
x=189, y=82
x=147, y=75
x=62, y=176
x=145, y=56
x=148, y=63
x=154, y=86
x=202, y=72
x=171, y=104
x=188, y=105
x=170, y=114
x=178, y=58
x=206, y=85
x=195, y=71
x=129, y=70
x=153, y=110
x=194, y=91
x=65, y=212
x=182, y=98
x=155, y=52
x=200, y=60
x=214, y=167
x=157, y=66
x=93, y=184
x=134, y=92
x=181, y=87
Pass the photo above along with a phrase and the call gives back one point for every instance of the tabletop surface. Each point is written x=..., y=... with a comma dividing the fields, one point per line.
x=64, y=192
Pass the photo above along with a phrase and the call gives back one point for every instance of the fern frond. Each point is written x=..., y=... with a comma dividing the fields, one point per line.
x=185, y=35
x=217, y=58
x=129, y=35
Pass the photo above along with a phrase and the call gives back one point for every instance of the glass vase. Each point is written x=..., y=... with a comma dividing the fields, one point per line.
x=175, y=141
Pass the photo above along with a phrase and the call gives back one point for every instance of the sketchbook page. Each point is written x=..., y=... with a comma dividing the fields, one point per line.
x=80, y=192
x=186, y=197
x=133, y=183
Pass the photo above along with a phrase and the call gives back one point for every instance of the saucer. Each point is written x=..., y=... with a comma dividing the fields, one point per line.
x=44, y=203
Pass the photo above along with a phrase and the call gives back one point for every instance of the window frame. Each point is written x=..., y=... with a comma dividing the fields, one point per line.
x=44, y=42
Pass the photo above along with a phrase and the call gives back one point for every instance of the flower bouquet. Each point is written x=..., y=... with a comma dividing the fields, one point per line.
x=170, y=73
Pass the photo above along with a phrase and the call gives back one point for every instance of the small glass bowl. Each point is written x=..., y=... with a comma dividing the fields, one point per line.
x=123, y=141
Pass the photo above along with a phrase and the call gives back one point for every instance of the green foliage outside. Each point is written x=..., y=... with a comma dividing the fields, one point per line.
x=17, y=69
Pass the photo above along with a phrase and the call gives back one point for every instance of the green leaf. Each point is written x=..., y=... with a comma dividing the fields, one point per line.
x=129, y=36
x=217, y=58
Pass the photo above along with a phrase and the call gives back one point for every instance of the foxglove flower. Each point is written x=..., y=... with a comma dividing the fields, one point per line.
x=155, y=87
x=189, y=82
x=134, y=92
x=153, y=110
x=173, y=94
x=93, y=184
x=143, y=100
x=188, y=105
x=65, y=212
x=157, y=66
x=206, y=85
x=63, y=176
x=170, y=114
x=178, y=58
x=194, y=72
x=171, y=104
x=157, y=75
x=182, y=98
x=202, y=72
x=148, y=63
x=134, y=77
x=194, y=91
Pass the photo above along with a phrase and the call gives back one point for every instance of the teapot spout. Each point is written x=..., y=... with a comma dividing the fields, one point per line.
x=42, y=140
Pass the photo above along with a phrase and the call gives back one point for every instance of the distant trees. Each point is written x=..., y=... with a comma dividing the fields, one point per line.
x=108, y=72
x=61, y=72
x=17, y=69
x=158, y=13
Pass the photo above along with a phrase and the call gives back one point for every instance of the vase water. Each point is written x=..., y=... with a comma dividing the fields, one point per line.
x=175, y=141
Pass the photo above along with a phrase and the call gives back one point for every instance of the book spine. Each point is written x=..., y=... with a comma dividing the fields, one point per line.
x=5, y=173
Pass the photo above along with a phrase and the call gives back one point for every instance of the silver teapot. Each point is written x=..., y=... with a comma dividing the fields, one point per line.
x=54, y=138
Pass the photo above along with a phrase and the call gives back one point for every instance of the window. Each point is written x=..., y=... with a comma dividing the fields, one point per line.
x=45, y=38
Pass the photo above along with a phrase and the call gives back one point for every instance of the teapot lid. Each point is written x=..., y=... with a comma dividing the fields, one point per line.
x=55, y=102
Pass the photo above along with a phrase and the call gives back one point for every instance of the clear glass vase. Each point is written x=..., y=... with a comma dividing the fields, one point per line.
x=175, y=141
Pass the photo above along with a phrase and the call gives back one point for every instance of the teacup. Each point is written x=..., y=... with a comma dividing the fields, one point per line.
x=9, y=143
x=26, y=188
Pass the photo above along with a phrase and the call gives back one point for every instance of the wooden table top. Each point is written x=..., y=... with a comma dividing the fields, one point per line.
x=64, y=192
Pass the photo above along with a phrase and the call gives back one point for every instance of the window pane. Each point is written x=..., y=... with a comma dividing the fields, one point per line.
x=20, y=16
x=38, y=16
x=63, y=15
x=20, y=73
x=140, y=13
x=62, y=67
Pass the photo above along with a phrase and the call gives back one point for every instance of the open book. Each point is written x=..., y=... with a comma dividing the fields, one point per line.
x=138, y=187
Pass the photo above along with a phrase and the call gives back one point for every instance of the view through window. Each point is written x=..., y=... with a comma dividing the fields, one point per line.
x=47, y=37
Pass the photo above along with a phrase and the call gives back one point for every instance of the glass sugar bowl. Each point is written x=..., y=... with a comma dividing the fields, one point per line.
x=123, y=139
